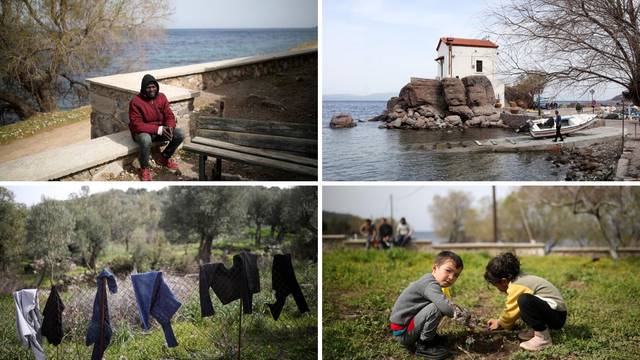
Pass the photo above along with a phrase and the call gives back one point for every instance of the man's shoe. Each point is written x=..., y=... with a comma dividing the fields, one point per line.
x=168, y=163
x=555, y=140
x=430, y=350
x=144, y=174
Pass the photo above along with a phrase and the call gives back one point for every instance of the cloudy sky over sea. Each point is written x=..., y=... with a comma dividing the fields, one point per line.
x=221, y=14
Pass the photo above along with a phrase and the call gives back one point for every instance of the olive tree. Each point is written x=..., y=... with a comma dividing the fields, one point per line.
x=46, y=46
x=50, y=229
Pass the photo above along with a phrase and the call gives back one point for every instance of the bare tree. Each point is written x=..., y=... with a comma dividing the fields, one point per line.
x=450, y=214
x=576, y=43
x=47, y=45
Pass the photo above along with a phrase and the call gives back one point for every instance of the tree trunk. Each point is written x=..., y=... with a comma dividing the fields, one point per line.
x=281, y=232
x=22, y=107
x=613, y=248
x=126, y=243
x=204, y=251
x=45, y=98
x=258, y=233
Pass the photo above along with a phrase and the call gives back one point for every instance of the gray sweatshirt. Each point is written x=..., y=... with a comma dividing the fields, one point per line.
x=416, y=296
x=29, y=321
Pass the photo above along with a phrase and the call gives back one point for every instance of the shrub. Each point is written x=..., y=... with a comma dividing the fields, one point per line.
x=121, y=265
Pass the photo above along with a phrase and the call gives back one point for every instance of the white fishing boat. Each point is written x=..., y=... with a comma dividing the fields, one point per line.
x=545, y=127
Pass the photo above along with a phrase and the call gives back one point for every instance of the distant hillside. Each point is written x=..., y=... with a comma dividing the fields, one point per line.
x=336, y=223
x=351, y=97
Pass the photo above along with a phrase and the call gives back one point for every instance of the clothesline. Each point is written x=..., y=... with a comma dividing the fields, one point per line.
x=154, y=298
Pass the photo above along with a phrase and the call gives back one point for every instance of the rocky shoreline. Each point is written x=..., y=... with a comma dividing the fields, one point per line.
x=597, y=162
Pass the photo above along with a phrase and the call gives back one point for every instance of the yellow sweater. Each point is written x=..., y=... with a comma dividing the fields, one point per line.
x=529, y=284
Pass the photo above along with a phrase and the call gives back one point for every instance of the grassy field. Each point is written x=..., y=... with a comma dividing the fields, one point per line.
x=42, y=122
x=293, y=336
x=360, y=287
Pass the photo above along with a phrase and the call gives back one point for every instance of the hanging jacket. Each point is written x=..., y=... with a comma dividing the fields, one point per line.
x=240, y=281
x=154, y=298
x=52, y=323
x=284, y=282
x=97, y=333
x=29, y=320
x=146, y=114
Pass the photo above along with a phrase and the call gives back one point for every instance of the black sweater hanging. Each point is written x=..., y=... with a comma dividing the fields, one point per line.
x=283, y=281
x=52, y=323
x=242, y=280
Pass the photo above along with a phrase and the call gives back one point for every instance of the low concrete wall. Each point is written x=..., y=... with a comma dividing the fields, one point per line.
x=414, y=244
x=341, y=241
x=493, y=248
x=595, y=251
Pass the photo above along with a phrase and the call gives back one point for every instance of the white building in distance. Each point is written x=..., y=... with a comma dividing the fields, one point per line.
x=459, y=57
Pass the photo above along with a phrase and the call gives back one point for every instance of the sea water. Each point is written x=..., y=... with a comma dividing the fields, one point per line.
x=367, y=153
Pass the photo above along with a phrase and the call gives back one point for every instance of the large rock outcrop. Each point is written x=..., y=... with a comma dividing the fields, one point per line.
x=424, y=92
x=442, y=104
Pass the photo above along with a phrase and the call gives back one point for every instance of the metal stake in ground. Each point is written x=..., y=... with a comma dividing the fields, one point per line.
x=240, y=329
x=103, y=293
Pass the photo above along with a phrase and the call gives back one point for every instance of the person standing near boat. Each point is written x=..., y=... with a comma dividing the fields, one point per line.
x=558, y=126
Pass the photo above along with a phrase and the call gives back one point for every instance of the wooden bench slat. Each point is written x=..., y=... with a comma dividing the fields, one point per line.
x=277, y=128
x=306, y=146
x=273, y=154
x=251, y=159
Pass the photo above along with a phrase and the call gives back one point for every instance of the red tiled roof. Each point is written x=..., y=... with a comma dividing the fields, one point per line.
x=466, y=42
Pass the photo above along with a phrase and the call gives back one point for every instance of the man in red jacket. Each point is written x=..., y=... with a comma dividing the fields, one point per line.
x=151, y=119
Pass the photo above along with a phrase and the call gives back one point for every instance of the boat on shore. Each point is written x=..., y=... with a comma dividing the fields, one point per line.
x=545, y=127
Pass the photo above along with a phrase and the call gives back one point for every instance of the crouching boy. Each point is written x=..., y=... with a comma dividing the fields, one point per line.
x=417, y=312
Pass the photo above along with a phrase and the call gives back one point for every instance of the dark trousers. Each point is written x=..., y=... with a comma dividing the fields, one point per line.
x=145, y=140
x=403, y=240
x=538, y=314
x=558, y=134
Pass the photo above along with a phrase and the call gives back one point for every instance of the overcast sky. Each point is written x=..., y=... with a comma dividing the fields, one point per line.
x=375, y=46
x=244, y=14
x=31, y=194
x=411, y=202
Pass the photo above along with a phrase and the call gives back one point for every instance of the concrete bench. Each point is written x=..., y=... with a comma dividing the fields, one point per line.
x=291, y=147
x=67, y=160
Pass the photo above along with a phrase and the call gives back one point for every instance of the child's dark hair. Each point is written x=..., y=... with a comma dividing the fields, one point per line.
x=443, y=256
x=503, y=266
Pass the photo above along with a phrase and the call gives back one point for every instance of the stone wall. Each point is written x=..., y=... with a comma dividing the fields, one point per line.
x=244, y=71
x=110, y=110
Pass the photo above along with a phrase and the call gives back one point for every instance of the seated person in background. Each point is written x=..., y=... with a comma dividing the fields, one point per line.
x=404, y=233
x=369, y=230
x=151, y=119
x=386, y=234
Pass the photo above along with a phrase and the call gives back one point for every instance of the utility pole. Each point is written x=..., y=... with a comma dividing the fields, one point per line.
x=391, y=206
x=495, y=216
x=593, y=104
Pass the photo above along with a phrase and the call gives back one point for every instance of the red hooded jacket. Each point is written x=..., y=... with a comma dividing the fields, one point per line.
x=146, y=114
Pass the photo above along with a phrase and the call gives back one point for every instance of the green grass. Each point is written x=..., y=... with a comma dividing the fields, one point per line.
x=42, y=122
x=293, y=336
x=359, y=289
